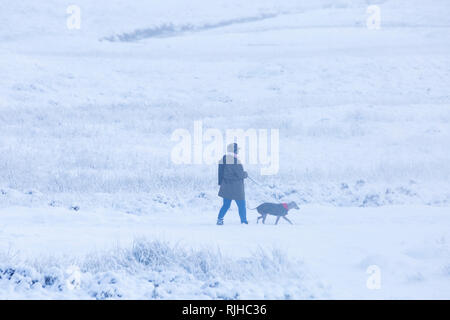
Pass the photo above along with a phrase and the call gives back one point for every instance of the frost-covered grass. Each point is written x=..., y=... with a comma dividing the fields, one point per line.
x=158, y=270
x=363, y=115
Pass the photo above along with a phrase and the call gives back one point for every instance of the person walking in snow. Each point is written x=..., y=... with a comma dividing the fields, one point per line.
x=231, y=181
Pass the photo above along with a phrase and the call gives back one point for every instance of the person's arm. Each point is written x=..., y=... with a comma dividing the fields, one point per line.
x=236, y=172
x=220, y=173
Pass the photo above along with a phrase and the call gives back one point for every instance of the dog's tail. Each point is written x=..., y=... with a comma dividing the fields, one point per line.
x=250, y=208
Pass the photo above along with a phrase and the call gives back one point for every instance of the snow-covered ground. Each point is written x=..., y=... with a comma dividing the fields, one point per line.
x=324, y=255
x=87, y=185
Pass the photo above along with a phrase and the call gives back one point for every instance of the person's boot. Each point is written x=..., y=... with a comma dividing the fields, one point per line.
x=244, y=222
x=220, y=222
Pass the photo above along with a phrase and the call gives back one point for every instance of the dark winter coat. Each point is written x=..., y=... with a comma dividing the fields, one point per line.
x=231, y=178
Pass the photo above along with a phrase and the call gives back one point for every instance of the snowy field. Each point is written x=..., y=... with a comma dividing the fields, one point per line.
x=92, y=207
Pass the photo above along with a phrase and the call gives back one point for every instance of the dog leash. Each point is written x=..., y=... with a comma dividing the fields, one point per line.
x=262, y=187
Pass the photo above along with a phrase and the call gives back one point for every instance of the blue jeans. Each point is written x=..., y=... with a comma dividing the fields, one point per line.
x=226, y=205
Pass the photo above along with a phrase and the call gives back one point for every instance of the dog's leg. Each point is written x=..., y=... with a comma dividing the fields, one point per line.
x=278, y=218
x=284, y=217
x=264, y=219
x=260, y=217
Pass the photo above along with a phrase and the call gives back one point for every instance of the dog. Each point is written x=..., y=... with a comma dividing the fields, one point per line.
x=280, y=210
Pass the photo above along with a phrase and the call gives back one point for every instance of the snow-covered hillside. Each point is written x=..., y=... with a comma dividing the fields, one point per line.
x=86, y=118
